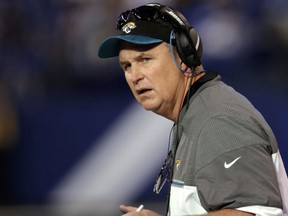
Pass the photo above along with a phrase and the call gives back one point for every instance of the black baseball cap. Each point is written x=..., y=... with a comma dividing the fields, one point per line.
x=142, y=25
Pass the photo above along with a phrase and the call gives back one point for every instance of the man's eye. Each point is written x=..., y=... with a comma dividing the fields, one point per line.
x=126, y=67
x=145, y=59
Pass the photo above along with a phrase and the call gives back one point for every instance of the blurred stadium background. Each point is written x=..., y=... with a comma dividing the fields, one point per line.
x=72, y=139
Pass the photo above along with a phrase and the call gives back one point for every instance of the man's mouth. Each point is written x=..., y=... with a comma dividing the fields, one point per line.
x=142, y=91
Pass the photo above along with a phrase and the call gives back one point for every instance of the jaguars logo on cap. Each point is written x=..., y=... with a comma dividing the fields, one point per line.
x=128, y=27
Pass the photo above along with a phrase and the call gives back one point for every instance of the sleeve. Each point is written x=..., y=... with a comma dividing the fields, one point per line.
x=235, y=168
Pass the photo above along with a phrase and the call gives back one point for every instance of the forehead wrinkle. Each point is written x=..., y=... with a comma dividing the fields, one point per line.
x=133, y=55
x=137, y=57
x=136, y=51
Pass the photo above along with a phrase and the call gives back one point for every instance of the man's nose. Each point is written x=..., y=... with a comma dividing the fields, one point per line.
x=136, y=74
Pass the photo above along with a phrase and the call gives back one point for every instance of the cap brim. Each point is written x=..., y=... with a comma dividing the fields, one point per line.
x=109, y=47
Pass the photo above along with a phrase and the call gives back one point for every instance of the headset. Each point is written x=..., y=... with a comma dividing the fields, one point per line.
x=187, y=40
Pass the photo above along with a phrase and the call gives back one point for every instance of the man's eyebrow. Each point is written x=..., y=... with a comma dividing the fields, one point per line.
x=141, y=55
x=122, y=63
x=137, y=57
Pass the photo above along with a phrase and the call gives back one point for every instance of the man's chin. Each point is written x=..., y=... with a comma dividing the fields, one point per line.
x=149, y=107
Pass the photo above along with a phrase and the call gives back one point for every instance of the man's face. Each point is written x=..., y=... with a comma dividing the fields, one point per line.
x=153, y=77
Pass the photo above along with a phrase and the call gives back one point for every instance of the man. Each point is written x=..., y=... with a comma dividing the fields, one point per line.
x=224, y=158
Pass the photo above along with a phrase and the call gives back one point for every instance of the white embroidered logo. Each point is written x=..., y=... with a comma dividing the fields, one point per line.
x=228, y=165
x=128, y=27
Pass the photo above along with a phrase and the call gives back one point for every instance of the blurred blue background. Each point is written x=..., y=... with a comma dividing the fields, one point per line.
x=72, y=139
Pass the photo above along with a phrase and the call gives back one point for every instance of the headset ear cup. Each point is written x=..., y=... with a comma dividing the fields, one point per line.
x=197, y=43
x=186, y=50
x=186, y=37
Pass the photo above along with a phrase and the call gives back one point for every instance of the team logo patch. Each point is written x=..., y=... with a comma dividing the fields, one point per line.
x=128, y=27
x=178, y=162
